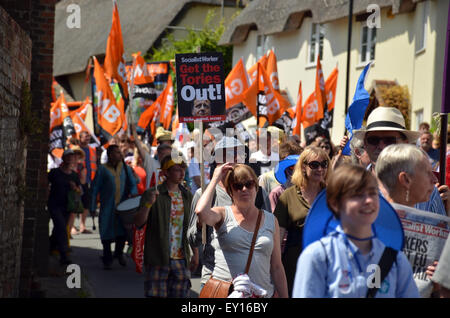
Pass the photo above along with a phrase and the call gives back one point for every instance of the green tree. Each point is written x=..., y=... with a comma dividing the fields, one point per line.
x=206, y=40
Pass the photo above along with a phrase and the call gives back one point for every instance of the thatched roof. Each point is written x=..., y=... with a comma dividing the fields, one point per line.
x=142, y=21
x=276, y=16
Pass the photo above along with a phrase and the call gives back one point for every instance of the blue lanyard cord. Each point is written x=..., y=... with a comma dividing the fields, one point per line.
x=349, y=247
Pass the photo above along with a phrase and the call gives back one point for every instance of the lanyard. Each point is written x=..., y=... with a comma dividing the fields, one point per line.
x=350, y=248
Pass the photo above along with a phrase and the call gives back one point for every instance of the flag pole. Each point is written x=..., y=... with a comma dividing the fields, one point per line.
x=130, y=98
x=349, y=42
x=445, y=106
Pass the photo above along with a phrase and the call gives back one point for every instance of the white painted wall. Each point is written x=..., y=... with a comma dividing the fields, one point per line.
x=395, y=59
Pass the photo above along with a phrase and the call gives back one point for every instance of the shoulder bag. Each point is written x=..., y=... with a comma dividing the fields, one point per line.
x=216, y=288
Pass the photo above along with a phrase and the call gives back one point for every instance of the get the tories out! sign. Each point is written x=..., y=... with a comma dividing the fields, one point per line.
x=200, y=87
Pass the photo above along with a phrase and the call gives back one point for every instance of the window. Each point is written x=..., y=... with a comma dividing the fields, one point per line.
x=316, y=43
x=368, y=40
x=419, y=118
x=261, y=46
x=421, y=42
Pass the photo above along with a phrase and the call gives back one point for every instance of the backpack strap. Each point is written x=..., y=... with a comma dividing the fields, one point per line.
x=387, y=259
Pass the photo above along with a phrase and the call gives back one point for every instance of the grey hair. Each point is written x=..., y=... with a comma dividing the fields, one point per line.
x=356, y=144
x=395, y=159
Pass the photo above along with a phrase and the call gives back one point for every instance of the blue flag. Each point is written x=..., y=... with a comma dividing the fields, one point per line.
x=357, y=109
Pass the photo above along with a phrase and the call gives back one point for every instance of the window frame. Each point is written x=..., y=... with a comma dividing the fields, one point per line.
x=319, y=36
x=423, y=28
x=370, y=43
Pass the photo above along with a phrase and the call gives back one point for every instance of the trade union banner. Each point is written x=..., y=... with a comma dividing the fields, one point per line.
x=200, y=87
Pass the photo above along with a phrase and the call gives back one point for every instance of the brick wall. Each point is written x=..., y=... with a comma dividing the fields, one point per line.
x=15, y=66
x=36, y=18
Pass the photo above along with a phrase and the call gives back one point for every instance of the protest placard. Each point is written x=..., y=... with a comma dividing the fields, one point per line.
x=200, y=87
x=425, y=236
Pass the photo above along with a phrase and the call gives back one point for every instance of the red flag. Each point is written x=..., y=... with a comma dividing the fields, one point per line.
x=298, y=112
x=153, y=180
x=138, y=247
x=235, y=84
x=110, y=118
x=114, y=55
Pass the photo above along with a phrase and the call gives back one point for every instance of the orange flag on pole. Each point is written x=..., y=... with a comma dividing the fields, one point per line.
x=80, y=126
x=235, y=84
x=148, y=115
x=273, y=104
x=110, y=118
x=82, y=110
x=253, y=71
x=141, y=73
x=166, y=104
x=319, y=91
x=114, y=55
x=272, y=70
x=298, y=112
x=56, y=118
x=330, y=88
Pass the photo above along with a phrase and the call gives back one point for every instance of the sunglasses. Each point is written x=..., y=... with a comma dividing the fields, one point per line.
x=375, y=140
x=316, y=164
x=239, y=186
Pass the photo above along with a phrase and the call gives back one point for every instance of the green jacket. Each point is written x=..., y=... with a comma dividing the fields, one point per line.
x=156, y=250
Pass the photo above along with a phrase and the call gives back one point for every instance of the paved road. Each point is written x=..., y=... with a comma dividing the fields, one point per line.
x=120, y=282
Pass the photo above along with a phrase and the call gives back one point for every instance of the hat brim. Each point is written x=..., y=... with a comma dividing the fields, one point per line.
x=289, y=161
x=321, y=221
x=411, y=135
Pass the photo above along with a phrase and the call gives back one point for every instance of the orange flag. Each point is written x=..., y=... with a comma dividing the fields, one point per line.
x=319, y=90
x=309, y=112
x=235, y=84
x=82, y=110
x=253, y=71
x=110, y=118
x=114, y=55
x=298, y=112
x=166, y=104
x=141, y=72
x=330, y=88
x=272, y=70
x=148, y=115
x=275, y=104
x=56, y=118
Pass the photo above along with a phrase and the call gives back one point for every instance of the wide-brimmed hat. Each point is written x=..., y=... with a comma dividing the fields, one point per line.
x=287, y=162
x=163, y=135
x=321, y=220
x=386, y=119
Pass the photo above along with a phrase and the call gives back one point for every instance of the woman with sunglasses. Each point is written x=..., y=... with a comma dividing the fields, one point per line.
x=309, y=178
x=233, y=231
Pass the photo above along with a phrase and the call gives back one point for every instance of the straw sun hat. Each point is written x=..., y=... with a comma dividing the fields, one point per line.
x=386, y=119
